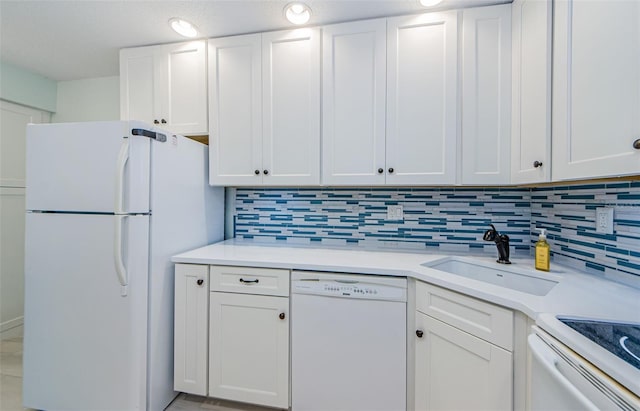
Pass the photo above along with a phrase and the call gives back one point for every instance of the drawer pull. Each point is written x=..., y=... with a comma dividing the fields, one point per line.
x=200, y=281
x=282, y=316
x=419, y=333
x=256, y=281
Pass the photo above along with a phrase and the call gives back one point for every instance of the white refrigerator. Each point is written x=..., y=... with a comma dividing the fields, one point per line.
x=107, y=204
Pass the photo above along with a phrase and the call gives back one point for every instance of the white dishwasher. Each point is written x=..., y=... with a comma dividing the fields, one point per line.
x=348, y=342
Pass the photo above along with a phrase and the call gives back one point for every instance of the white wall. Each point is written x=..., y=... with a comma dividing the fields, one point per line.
x=94, y=99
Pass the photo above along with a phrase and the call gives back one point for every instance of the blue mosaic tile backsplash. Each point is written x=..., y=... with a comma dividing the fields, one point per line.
x=568, y=213
x=454, y=220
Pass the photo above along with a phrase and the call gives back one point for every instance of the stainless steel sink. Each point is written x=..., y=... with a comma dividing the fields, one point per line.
x=505, y=276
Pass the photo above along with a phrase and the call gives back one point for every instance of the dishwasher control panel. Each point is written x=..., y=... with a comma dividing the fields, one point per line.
x=351, y=289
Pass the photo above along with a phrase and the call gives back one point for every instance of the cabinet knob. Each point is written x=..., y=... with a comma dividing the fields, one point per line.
x=537, y=164
x=265, y=172
x=257, y=172
x=156, y=122
x=163, y=121
x=419, y=333
x=390, y=170
x=636, y=144
x=200, y=281
x=380, y=170
x=282, y=316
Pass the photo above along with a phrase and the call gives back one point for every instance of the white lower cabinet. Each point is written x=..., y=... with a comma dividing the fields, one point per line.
x=455, y=369
x=191, y=324
x=249, y=338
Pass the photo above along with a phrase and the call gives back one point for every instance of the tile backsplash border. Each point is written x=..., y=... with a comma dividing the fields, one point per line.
x=453, y=219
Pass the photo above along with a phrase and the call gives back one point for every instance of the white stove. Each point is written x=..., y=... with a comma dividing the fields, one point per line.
x=585, y=364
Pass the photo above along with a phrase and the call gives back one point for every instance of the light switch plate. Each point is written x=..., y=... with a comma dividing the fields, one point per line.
x=604, y=220
x=395, y=212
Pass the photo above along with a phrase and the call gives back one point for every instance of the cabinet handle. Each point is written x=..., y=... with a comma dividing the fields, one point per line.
x=257, y=172
x=282, y=316
x=163, y=121
x=380, y=170
x=265, y=172
x=537, y=164
x=419, y=333
x=390, y=170
x=636, y=144
x=200, y=281
x=256, y=281
x=156, y=122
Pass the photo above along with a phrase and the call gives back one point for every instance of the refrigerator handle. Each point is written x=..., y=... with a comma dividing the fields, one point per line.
x=121, y=271
x=123, y=157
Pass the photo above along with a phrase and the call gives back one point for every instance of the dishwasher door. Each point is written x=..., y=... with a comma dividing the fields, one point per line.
x=347, y=353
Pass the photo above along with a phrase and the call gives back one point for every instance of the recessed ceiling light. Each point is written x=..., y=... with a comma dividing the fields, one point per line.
x=297, y=13
x=430, y=3
x=183, y=27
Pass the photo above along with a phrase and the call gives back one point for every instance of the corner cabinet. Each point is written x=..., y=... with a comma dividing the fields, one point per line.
x=596, y=89
x=531, y=100
x=166, y=85
x=264, y=97
x=486, y=95
x=463, y=352
x=249, y=335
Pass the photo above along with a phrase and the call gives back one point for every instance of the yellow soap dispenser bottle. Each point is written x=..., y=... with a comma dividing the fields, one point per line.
x=542, y=251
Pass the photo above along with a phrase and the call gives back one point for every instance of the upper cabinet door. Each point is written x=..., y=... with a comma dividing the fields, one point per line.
x=596, y=93
x=185, y=77
x=531, y=108
x=235, y=111
x=165, y=86
x=354, y=75
x=291, y=107
x=422, y=70
x=139, y=99
x=486, y=95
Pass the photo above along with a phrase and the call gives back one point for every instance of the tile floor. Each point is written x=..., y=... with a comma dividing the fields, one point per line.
x=11, y=386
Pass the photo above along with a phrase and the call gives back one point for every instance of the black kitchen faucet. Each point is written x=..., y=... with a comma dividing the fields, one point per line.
x=502, y=243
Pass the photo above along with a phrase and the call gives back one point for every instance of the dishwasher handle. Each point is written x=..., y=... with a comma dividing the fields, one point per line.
x=549, y=361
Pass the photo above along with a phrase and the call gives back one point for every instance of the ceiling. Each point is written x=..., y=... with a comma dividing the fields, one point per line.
x=70, y=40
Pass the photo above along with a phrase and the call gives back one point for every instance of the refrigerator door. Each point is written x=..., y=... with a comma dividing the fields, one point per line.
x=85, y=344
x=78, y=167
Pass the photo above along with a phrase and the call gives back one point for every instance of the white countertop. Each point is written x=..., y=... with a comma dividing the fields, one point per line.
x=576, y=294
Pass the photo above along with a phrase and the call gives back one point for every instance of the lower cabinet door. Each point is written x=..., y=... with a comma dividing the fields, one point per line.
x=191, y=324
x=249, y=348
x=457, y=371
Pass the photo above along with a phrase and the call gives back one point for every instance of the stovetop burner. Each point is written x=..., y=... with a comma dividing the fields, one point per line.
x=621, y=339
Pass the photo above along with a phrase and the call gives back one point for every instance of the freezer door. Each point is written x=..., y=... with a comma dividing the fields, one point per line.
x=84, y=343
x=83, y=167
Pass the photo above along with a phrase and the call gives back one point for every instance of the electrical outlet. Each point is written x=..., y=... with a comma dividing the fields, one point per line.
x=395, y=212
x=604, y=220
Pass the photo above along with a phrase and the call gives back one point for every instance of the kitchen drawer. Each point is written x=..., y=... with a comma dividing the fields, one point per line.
x=249, y=280
x=484, y=320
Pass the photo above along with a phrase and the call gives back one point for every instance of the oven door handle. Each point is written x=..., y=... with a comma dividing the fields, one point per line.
x=549, y=361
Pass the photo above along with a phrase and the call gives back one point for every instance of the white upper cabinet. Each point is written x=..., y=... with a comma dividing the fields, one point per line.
x=235, y=110
x=486, y=95
x=422, y=78
x=531, y=102
x=291, y=107
x=353, y=108
x=264, y=96
x=596, y=88
x=165, y=85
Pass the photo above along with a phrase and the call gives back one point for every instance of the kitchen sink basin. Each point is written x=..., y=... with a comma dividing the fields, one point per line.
x=505, y=276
